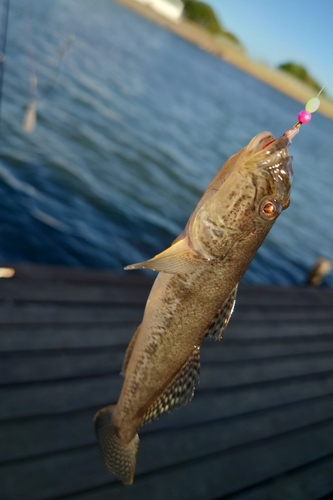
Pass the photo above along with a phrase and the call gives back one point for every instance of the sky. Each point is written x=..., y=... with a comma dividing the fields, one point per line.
x=274, y=32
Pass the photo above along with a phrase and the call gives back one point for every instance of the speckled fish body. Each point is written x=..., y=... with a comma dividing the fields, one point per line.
x=194, y=293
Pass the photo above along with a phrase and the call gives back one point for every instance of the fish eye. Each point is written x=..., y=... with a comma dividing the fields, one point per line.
x=270, y=208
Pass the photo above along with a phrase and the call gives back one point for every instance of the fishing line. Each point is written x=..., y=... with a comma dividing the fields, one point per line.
x=30, y=117
x=4, y=28
x=29, y=121
x=62, y=53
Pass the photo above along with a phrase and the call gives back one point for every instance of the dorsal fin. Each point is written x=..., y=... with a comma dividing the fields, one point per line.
x=129, y=350
x=217, y=327
x=180, y=390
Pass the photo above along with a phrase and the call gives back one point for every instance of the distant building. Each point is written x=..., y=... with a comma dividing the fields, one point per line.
x=172, y=9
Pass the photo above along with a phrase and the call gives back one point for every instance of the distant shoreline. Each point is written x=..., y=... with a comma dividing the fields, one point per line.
x=193, y=33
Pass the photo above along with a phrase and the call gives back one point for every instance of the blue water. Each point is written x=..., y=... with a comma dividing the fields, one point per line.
x=136, y=127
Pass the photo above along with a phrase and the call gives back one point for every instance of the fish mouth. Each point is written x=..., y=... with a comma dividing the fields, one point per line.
x=272, y=154
x=271, y=165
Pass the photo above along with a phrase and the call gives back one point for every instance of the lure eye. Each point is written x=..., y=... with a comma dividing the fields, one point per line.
x=270, y=208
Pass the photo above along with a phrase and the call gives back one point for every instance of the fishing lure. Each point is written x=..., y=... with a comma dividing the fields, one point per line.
x=311, y=106
x=305, y=115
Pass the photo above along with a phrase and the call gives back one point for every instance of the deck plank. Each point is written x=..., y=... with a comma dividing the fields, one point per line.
x=56, y=366
x=212, y=475
x=21, y=439
x=260, y=422
x=313, y=480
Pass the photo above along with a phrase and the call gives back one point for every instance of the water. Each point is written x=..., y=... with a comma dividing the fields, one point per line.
x=136, y=127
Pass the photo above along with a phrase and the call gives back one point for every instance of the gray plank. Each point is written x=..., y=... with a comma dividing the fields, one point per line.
x=47, y=477
x=261, y=370
x=275, y=296
x=57, y=365
x=68, y=293
x=166, y=448
x=62, y=336
x=34, y=272
x=253, y=315
x=80, y=316
x=273, y=330
x=57, y=397
x=71, y=395
x=310, y=482
x=53, y=433
x=220, y=474
x=29, y=437
x=40, y=336
x=241, y=466
x=263, y=293
x=25, y=313
x=34, y=313
x=269, y=382
x=207, y=406
x=56, y=314
x=51, y=330
x=51, y=280
x=231, y=349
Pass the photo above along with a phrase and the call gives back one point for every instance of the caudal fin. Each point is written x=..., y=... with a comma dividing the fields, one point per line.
x=119, y=457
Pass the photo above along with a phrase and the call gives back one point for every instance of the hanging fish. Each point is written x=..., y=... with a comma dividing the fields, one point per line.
x=194, y=293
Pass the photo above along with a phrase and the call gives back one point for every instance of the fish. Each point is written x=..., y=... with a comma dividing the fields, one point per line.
x=194, y=293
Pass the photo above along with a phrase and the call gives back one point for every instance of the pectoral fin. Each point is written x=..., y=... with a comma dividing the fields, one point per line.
x=179, y=391
x=217, y=327
x=177, y=259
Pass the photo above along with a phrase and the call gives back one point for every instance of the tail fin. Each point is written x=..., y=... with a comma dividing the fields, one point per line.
x=119, y=457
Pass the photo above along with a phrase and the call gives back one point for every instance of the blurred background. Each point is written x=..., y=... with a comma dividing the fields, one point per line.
x=132, y=124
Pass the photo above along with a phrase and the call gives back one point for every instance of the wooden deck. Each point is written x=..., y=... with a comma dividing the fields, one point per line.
x=259, y=427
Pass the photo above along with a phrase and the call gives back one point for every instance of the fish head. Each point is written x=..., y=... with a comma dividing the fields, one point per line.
x=245, y=198
x=268, y=164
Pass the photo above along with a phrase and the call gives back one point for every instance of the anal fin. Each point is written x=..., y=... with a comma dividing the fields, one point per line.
x=179, y=392
x=217, y=327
